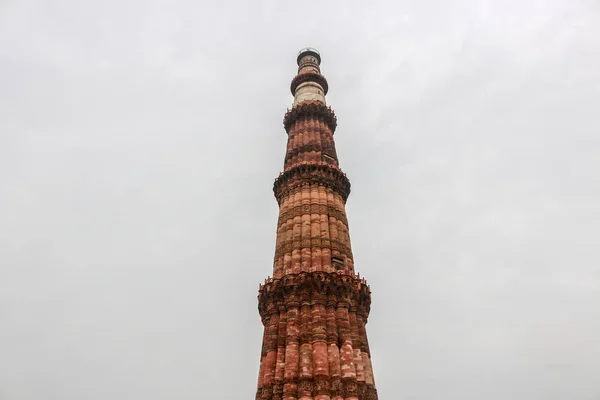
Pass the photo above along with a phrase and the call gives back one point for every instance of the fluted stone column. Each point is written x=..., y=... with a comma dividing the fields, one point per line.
x=315, y=307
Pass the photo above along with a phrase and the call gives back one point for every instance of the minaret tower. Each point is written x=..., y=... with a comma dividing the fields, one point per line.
x=315, y=307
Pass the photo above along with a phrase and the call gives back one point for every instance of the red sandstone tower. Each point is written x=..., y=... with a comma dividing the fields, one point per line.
x=314, y=308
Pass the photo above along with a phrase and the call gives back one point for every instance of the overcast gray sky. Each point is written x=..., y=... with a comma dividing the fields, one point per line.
x=139, y=141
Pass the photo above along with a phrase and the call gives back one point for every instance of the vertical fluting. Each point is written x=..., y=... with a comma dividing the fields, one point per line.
x=362, y=333
x=281, y=341
x=346, y=353
x=290, y=387
x=271, y=349
x=261, y=369
x=297, y=235
x=305, y=241
x=306, y=365
x=365, y=351
x=315, y=308
x=325, y=236
x=333, y=349
x=310, y=139
x=319, y=340
x=357, y=359
x=315, y=229
x=333, y=230
x=287, y=258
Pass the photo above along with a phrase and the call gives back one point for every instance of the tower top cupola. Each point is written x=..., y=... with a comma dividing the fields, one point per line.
x=308, y=54
x=309, y=84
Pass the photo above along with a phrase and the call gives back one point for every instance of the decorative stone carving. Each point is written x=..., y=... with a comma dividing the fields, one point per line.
x=277, y=389
x=321, y=386
x=286, y=246
x=336, y=387
x=319, y=209
x=266, y=392
x=371, y=393
x=290, y=389
x=362, y=390
x=320, y=173
x=310, y=109
x=305, y=387
x=350, y=388
x=313, y=285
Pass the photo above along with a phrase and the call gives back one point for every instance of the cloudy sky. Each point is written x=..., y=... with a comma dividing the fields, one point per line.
x=139, y=141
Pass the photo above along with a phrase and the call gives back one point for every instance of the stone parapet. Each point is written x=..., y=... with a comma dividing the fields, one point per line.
x=312, y=173
x=310, y=109
x=309, y=77
x=338, y=289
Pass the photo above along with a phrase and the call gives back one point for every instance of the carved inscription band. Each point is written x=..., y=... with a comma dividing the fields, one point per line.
x=287, y=246
x=320, y=209
x=333, y=387
x=312, y=147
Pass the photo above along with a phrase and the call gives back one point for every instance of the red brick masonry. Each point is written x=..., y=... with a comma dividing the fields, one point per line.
x=315, y=307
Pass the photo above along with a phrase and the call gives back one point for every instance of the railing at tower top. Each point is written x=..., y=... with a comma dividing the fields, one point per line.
x=270, y=280
x=307, y=51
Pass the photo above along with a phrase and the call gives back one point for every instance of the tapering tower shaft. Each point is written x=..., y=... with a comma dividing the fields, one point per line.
x=314, y=308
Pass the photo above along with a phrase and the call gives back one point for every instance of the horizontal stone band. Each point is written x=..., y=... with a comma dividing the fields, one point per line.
x=320, y=209
x=309, y=77
x=327, y=386
x=287, y=246
x=310, y=147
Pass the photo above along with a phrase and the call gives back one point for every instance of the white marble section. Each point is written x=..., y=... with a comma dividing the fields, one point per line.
x=309, y=91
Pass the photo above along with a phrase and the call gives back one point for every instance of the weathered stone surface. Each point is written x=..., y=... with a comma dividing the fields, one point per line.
x=315, y=307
